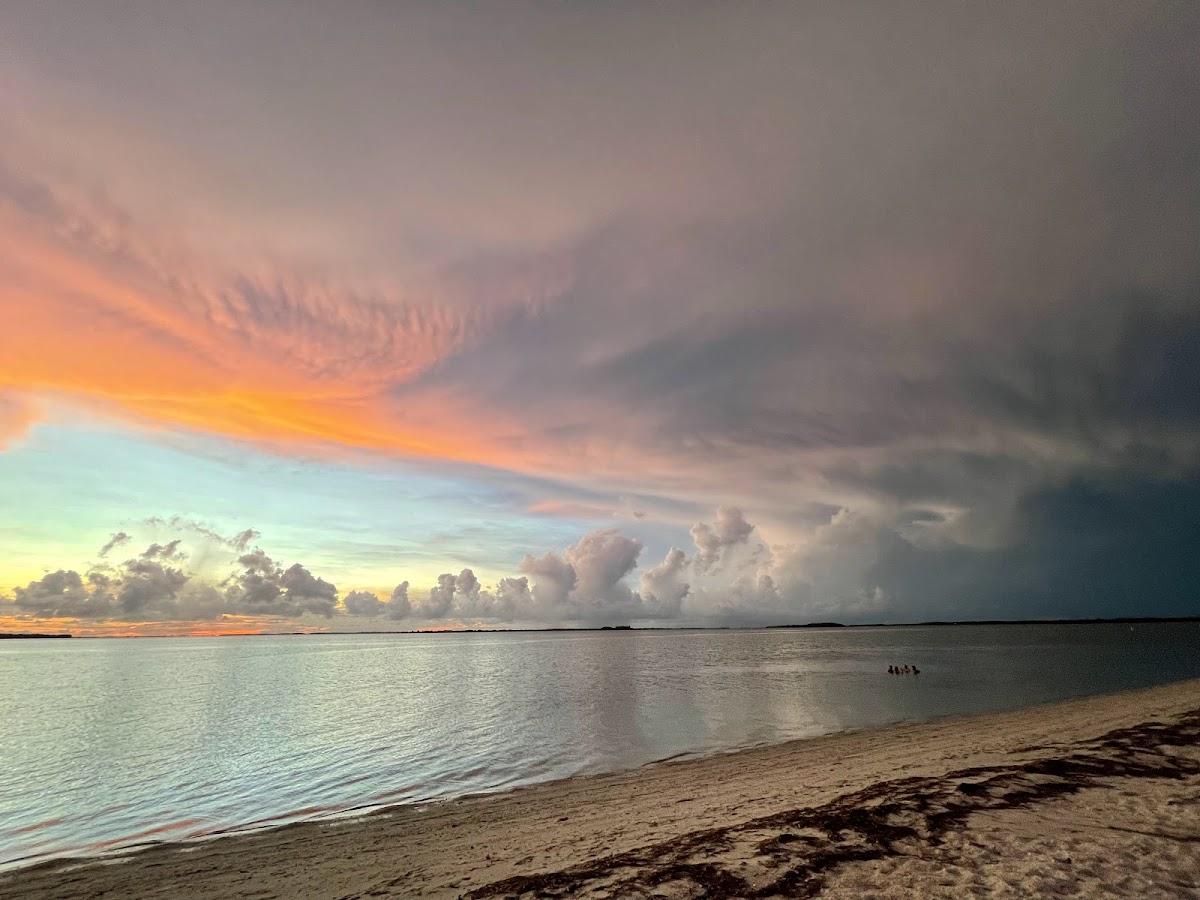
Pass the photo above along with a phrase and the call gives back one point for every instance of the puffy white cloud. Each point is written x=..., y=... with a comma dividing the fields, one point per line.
x=512, y=597
x=712, y=541
x=585, y=582
x=601, y=560
x=663, y=587
x=553, y=579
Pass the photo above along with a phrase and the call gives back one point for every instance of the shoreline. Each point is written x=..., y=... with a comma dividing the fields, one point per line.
x=683, y=824
x=798, y=626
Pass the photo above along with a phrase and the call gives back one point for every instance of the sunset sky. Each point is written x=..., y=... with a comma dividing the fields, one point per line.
x=372, y=315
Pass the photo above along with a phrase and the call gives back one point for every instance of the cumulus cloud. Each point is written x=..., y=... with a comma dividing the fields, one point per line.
x=398, y=605
x=265, y=588
x=602, y=560
x=155, y=586
x=63, y=594
x=148, y=585
x=363, y=603
x=553, y=579
x=664, y=586
x=367, y=604
x=141, y=589
x=712, y=541
x=512, y=596
x=586, y=582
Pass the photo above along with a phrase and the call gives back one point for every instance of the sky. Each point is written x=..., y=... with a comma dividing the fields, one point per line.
x=517, y=314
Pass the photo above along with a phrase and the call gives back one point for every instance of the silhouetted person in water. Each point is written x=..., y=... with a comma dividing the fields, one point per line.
x=916, y=671
x=891, y=670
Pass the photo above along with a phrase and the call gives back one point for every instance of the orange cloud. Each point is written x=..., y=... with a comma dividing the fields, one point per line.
x=16, y=415
x=264, y=363
x=95, y=313
x=571, y=509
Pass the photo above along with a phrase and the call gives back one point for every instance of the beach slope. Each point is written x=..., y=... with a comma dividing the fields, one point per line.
x=1093, y=797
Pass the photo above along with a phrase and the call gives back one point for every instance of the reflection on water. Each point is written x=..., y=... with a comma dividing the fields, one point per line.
x=108, y=743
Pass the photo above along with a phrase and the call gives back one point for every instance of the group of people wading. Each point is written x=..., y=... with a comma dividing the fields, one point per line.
x=903, y=670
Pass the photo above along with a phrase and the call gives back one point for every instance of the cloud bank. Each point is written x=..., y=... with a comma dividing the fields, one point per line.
x=1080, y=550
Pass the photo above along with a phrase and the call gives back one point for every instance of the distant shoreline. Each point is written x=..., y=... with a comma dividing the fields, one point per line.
x=29, y=635
x=936, y=623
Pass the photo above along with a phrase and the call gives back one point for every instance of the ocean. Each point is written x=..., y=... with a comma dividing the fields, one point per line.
x=107, y=744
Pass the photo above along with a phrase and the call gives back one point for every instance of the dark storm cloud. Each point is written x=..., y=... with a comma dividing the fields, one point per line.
x=998, y=297
x=1084, y=548
x=984, y=266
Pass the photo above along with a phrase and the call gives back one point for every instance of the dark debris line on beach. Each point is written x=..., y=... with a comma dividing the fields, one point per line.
x=794, y=850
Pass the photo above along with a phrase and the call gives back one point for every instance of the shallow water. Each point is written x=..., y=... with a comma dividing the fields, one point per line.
x=109, y=743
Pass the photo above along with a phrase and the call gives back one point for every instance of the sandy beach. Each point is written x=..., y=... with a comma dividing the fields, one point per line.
x=1092, y=797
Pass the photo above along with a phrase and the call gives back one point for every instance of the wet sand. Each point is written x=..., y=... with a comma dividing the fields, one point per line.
x=1093, y=797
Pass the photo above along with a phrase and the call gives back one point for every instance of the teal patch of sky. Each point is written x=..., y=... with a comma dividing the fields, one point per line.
x=65, y=488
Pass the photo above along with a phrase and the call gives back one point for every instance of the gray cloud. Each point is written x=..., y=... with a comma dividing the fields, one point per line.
x=368, y=605
x=118, y=539
x=244, y=539
x=398, y=605
x=362, y=603
x=265, y=588
x=169, y=551
x=145, y=588
x=147, y=585
x=63, y=594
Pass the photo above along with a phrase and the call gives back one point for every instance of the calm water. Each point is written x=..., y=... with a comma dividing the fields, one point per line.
x=108, y=743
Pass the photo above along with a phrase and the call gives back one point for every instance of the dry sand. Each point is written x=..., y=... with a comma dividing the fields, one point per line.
x=1094, y=797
